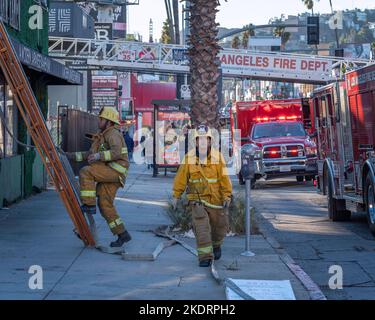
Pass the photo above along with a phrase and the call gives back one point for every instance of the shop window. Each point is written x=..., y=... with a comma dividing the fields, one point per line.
x=9, y=113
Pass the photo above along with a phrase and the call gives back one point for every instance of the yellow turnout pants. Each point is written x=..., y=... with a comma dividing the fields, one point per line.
x=210, y=227
x=97, y=180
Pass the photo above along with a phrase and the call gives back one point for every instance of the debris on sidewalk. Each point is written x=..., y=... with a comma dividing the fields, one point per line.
x=259, y=290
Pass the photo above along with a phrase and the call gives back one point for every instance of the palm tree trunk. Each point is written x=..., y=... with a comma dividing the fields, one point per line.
x=204, y=62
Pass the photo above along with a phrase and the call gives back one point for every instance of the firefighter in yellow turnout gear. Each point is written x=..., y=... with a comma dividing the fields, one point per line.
x=106, y=173
x=209, y=191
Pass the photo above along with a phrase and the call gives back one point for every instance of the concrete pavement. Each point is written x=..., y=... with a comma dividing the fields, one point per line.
x=38, y=231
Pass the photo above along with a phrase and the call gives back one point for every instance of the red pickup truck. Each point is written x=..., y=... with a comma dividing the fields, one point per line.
x=277, y=131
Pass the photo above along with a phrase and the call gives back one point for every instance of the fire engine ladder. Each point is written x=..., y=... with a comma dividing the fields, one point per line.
x=31, y=114
x=169, y=58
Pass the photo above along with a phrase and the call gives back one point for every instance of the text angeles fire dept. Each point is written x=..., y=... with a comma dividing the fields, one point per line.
x=199, y=309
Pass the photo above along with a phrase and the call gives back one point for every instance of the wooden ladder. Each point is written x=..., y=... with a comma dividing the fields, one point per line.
x=31, y=114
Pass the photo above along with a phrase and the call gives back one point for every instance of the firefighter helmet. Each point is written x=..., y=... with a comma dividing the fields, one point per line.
x=110, y=114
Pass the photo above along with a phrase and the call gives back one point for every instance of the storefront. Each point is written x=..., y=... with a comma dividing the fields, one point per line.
x=21, y=168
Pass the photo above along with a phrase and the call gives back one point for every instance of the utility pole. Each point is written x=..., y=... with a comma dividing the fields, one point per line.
x=168, y=8
x=176, y=19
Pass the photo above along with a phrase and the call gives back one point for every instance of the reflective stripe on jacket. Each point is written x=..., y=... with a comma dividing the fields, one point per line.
x=208, y=182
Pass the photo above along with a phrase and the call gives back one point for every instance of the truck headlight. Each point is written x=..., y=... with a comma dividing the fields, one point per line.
x=311, y=151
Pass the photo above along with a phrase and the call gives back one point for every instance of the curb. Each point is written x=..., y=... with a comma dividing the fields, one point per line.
x=312, y=288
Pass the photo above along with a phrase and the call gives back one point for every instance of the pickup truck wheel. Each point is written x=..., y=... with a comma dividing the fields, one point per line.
x=299, y=178
x=370, y=202
x=336, y=207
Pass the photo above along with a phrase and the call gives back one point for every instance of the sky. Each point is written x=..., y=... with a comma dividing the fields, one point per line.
x=235, y=13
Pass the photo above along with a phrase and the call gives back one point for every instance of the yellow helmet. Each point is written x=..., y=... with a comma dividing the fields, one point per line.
x=110, y=114
x=203, y=131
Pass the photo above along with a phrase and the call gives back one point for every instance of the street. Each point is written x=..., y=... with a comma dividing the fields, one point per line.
x=296, y=216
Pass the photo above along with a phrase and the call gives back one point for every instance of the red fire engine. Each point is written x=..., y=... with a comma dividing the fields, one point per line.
x=345, y=120
x=277, y=131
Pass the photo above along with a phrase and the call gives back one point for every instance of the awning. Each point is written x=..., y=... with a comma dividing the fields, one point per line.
x=42, y=63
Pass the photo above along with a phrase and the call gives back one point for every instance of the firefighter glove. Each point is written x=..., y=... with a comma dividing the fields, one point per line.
x=226, y=203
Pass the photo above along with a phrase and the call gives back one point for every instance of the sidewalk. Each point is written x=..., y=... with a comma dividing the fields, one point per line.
x=38, y=231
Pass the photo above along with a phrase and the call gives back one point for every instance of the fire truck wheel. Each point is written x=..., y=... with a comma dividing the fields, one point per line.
x=300, y=178
x=336, y=207
x=370, y=202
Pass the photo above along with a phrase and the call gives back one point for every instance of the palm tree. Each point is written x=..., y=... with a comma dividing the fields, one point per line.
x=236, y=42
x=246, y=36
x=204, y=62
x=309, y=5
x=285, y=36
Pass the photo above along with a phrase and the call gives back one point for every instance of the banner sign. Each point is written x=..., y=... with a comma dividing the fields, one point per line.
x=274, y=64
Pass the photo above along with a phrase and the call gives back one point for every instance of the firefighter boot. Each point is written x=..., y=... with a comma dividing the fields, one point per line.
x=122, y=238
x=217, y=253
x=88, y=209
x=205, y=263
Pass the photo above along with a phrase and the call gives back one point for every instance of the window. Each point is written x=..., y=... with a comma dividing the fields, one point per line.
x=4, y=10
x=9, y=111
x=14, y=14
x=274, y=130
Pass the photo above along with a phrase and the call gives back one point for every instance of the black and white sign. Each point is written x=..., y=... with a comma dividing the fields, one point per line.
x=103, y=31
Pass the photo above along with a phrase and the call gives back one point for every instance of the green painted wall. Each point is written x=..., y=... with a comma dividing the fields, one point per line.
x=36, y=39
x=11, y=176
x=39, y=174
x=25, y=172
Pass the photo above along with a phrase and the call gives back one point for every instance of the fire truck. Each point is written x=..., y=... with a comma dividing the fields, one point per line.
x=278, y=132
x=345, y=120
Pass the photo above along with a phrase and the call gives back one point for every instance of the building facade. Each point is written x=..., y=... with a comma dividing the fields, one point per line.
x=21, y=169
